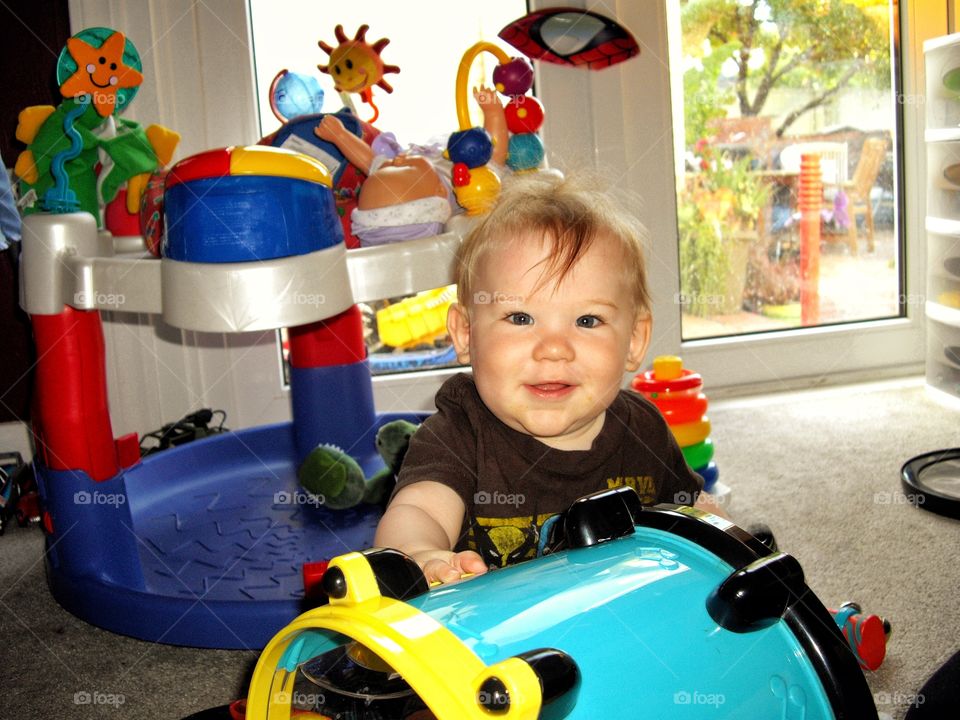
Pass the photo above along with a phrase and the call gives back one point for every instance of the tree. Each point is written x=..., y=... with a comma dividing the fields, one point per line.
x=822, y=45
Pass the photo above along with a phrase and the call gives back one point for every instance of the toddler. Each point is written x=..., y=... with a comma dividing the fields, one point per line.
x=553, y=310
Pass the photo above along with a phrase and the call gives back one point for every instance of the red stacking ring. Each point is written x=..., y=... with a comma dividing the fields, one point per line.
x=646, y=383
x=680, y=410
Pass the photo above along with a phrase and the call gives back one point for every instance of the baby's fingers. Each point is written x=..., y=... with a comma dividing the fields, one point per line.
x=470, y=563
x=439, y=571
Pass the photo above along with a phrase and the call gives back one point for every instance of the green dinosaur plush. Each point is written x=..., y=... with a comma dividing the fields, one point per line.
x=332, y=473
x=393, y=439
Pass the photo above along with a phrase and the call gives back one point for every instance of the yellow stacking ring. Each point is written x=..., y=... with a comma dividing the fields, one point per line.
x=691, y=433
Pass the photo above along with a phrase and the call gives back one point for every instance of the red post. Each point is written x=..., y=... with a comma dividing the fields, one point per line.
x=810, y=201
x=335, y=341
x=71, y=418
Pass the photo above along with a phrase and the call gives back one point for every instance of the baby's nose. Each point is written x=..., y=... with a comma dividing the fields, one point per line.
x=553, y=346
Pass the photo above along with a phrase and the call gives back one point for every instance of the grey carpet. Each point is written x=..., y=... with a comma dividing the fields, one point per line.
x=820, y=467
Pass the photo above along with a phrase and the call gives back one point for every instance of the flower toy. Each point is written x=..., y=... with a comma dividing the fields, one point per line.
x=677, y=393
x=79, y=154
x=356, y=66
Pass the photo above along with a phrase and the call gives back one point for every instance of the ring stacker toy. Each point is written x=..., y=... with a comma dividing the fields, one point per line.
x=203, y=544
x=669, y=596
x=678, y=394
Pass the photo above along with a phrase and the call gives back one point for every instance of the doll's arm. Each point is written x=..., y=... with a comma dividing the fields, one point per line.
x=354, y=149
x=494, y=121
x=424, y=520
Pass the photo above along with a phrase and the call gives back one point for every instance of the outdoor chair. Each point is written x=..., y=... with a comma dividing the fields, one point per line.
x=858, y=188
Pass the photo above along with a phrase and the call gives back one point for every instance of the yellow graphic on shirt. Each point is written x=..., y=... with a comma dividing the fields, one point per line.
x=504, y=541
x=644, y=485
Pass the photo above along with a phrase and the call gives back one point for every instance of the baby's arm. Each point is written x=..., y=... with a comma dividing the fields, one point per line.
x=706, y=501
x=424, y=521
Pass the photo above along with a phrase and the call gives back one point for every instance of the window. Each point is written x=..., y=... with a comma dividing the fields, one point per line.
x=403, y=333
x=631, y=135
x=788, y=189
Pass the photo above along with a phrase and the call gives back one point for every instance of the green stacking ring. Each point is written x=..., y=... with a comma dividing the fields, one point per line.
x=698, y=455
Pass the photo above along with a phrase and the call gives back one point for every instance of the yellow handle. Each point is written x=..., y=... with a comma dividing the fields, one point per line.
x=463, y=73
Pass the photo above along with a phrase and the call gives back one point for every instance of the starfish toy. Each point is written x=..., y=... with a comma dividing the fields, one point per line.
x=100, y=72
x=82, y=150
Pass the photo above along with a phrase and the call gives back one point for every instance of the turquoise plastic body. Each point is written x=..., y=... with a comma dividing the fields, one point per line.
x=632, y=614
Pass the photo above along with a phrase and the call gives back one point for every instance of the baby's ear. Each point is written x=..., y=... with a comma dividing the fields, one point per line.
x=639, y=341
x=458, y=325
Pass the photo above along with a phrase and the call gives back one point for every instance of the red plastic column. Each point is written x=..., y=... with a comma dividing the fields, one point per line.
x=810, y=201
x=335, y=341
x=71, y=418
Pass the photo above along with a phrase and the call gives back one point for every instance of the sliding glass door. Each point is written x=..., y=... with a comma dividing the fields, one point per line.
x=788, y=177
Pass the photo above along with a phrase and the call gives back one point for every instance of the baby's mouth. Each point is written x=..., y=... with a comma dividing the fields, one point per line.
x=551, y=389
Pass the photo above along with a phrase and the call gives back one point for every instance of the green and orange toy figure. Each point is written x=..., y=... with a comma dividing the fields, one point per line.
x=79, y=154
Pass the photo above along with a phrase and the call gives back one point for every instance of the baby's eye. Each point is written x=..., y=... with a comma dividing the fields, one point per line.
x=589, y=321
x=519, y=318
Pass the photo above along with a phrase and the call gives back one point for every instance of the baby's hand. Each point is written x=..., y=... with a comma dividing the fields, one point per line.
x=444, y=566
x=329, y=129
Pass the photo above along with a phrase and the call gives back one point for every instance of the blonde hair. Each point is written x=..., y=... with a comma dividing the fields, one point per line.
x=569, y=213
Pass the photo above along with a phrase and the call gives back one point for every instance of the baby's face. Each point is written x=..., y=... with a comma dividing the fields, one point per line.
x=549, y=359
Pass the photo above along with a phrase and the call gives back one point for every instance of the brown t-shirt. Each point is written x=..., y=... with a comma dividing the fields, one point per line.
x=511, y=482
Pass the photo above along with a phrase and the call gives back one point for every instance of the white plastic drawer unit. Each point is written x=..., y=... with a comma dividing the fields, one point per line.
x=943, y=267
x=943, y=87
x=943, y=179
x=943, y=355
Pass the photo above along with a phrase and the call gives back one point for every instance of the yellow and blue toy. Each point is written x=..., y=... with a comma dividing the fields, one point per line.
x=635, y=612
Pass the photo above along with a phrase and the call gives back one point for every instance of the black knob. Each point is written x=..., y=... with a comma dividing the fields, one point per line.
x=757, y=595
x=493, y=695
x=334, y=583
x=398, y=575
x=596, y=518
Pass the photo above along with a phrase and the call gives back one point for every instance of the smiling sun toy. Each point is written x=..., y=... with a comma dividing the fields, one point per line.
x=356, y=66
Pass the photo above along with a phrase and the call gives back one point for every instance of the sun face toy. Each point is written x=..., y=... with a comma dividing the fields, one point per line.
x=356, y=66
x=102, y=65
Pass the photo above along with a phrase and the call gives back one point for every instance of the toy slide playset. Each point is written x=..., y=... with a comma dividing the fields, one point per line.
x=225, y=541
